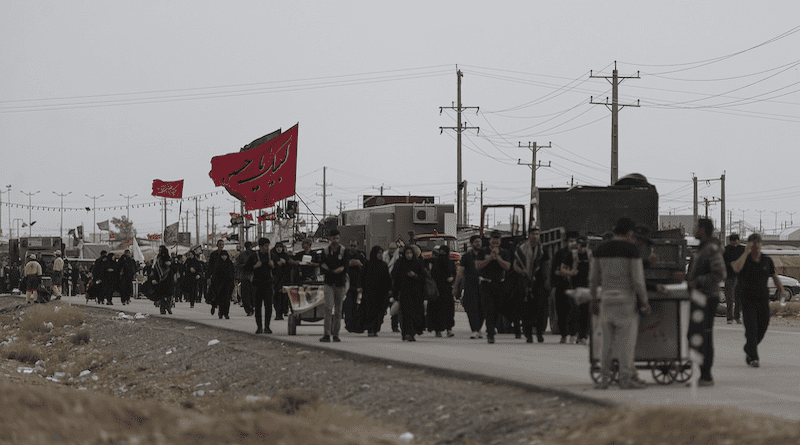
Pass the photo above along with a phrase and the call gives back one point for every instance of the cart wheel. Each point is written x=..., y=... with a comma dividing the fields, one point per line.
x=292, y=325
x=594, y=371
x=682, y=371
x=663, y=372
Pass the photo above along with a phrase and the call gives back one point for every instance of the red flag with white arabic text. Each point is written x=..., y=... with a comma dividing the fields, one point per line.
x=262, y=174
x=168, y=189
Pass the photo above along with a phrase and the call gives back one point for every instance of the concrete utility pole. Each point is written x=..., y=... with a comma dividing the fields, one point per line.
x=1, y=211
x=381, y=188
x=324, y=192
x=534, y=148
x=481, y=212
x=10, y=230
x=460, y=128
x=128, y=207
x=760, y=226
x=464, y=204
x=614, y=106
x=197, y=221
x=61, y=228
x=720, y=200
x=776, y=220
x=30, y=217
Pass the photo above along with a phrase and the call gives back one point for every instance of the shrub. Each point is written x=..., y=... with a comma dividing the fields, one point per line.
x=35, y=319
x=21, y=352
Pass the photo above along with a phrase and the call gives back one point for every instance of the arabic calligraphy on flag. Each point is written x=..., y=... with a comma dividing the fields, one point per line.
x=168, y=189
x=261, y=175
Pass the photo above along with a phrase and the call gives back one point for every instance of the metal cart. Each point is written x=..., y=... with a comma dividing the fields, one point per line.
x=662, y=345
x=307, y=304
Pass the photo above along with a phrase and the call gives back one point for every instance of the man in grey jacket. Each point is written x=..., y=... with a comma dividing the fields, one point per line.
x=617, y=267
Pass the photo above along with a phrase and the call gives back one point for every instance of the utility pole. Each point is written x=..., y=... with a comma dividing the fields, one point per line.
x=30, y=217
x=381, y=188
x=791, y=221
x=534, y=148
x=464, y=204
x=1, y=212
x=707, y=202
x=614, y=106
x=10, y=230
x=94, y=213
x=460, y=128
x=760, y=226
x=482, y=189
x=197, y=221
x=129, y=204
x=721, y=200
x=324, y=192
x=61, y=229
x=776, y=221
x=722, y=225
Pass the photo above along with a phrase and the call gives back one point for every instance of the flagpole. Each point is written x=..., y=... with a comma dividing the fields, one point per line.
x=164, y=230
x=180, y=209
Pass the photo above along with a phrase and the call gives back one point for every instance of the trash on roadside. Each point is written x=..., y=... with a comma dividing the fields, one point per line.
x=213, y=342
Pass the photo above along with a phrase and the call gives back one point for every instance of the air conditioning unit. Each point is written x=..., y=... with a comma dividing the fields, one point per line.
x=424, y=215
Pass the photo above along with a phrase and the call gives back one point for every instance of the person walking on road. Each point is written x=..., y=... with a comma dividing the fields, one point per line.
x=618, y=268
x=192, y=275
x=260, y=267
x=441, y=311
x=733, y=298
x=334, y=262
x=376, y=283
x=492, y=265
x=530, y=262
x=408, y=278
x=162, y=280
x=706, y=270
x=33, y=276
x=58, y=274
x=754, y=270
x=243, y=278
x=222, y=280
x=468, y=280
x=127, y=270
x=282, y=276
x=564, y=269
x=213, y=259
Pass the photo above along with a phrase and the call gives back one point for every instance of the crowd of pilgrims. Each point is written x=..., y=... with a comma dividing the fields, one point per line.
x=507, y=292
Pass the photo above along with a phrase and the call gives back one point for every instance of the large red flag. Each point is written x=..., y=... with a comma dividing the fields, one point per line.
x=261, y=175
x=168, y=189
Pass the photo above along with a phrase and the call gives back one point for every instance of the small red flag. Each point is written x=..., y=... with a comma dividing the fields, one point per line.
x=261, y=175
x=266, y=217
x=168, y=189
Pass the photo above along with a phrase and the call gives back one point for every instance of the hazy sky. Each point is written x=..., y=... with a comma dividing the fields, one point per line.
x=102, y=97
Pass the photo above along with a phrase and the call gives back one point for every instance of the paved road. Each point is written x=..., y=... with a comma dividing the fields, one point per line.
x=774, y=388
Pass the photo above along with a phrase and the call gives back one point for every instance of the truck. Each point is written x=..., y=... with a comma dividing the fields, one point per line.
x=382, y=225
x=43, y=246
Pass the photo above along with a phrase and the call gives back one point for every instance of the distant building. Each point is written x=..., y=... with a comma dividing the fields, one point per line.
x=685, y=222
x=790, y=234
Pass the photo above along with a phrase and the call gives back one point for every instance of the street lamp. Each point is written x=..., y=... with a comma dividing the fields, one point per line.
x=94, y=216
x=17, y=220
x=129, y=204
x=30, y=217
x=61, y=229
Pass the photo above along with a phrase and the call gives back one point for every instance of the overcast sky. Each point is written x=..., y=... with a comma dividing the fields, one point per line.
x=100, y=98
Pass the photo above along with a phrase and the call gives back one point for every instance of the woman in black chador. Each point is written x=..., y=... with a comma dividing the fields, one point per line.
x=162, y=280
x=442, y=310
x=222, y=283
x=282, y=276
x=409, y=279
x=376, y=284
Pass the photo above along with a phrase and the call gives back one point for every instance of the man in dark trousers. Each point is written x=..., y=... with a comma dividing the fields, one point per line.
x=564, y=269
x=706, y=270
x=468, y=280
x=733, y=299
x=754, y=270
x=530, y=261
x=245, y=286
x=192, y=269
x=492, y=264
x=99, y=279
x=213, y=259
x=127, y=269
x=260, y=266
x=334, y=262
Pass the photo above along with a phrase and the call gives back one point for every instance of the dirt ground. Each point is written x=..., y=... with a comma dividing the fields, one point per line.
x=100, y=379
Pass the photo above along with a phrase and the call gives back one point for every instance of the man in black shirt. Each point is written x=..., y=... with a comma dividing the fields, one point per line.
x=260, y=266
x=733, y=298
x=492, y=265
x=754, y=270
x=467, y=278
x=334, y=262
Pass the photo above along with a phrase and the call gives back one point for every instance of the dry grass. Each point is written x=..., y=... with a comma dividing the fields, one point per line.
x=46, y=317
x=792, y=309
x=38, y=415
x=685, y=425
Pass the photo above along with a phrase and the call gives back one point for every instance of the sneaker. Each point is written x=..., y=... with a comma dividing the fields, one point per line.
x=411, y=338
x=259, y=331
x=754, y=363
x=563, y=339
x=490, y=339
x=480, y=334
x=540, y=338
x=450, y=333
x=474, y=335
x=738, y=321
x=325, y=339
x=169, y=311
x=730, y=321
x=336, y=339
x=572, y=339
x=267, y=330
x=227, y=317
